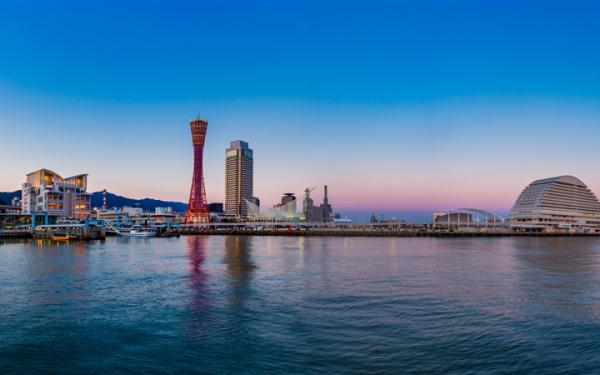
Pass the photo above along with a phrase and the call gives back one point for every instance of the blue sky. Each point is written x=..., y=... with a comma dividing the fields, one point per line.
x=400, y=106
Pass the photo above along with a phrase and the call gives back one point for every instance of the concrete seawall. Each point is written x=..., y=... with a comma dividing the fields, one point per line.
x=364, y=233
x=342, y=233
x=15, y=234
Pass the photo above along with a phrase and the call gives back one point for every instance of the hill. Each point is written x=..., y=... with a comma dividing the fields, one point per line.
x=113, y=200
x=147, y=204
x=6, y=198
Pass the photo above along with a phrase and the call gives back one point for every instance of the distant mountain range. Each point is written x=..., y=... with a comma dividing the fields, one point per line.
x=147, y=204
x=5, y=198
x=113, y=200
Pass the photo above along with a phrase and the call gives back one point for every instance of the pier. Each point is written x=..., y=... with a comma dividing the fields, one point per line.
x=70, y=232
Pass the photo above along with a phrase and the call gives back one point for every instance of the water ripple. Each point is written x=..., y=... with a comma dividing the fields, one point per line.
x=301, y=306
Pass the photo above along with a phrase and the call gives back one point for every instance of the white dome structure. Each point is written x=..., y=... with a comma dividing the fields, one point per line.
x=558, y=204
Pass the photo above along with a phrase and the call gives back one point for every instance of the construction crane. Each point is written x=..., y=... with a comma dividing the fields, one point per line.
x=307, y=191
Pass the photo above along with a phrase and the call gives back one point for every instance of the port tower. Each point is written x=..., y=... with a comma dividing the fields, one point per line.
x=197, y=212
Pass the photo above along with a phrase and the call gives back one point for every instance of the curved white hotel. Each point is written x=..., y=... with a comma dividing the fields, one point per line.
x=558, y=204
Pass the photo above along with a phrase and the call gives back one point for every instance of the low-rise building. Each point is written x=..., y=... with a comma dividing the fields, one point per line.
x=46, y=191
x=288, y=205
x=9, y=209
x=322, y=213
x=114, y=217
x=136, y=216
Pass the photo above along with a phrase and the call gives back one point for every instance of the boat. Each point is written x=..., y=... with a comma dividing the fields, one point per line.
x=135, y=231
x=167, y=230
x=63, y=237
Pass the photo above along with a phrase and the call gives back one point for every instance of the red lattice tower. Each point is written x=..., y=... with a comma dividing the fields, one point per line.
x=197, y=212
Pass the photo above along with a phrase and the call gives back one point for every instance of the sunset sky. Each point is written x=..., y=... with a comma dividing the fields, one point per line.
x=402, y=107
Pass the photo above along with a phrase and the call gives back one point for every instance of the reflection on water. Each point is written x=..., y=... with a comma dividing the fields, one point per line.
x=196, y=248
x=198, y=277
x=238, y=259
x=560, y=275
x=243, y=304
x=565, y=255
x=47, y=274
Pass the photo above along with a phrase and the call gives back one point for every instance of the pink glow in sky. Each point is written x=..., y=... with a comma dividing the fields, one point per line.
x=394, y=158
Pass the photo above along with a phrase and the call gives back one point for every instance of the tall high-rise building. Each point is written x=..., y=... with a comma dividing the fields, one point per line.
x=239, y=179
x=197, y=212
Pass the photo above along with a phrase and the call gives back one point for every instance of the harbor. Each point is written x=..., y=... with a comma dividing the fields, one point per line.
x=300, y=187
x=81, y=232
x=52, y=206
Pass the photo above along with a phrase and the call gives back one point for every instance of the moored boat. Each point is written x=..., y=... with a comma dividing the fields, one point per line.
x=62, y=237
x=135, y=231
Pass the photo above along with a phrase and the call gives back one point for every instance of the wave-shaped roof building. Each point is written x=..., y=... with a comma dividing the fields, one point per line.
x=47, y=191
x=558, y=204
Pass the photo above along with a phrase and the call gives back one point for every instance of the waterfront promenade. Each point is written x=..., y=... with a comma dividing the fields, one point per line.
x=361, y=231
x=341, y=232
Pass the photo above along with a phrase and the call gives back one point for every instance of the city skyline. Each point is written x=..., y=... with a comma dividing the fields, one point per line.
x=428, y=113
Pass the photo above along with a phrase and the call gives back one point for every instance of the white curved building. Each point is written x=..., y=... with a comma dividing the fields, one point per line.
x=558, y=204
